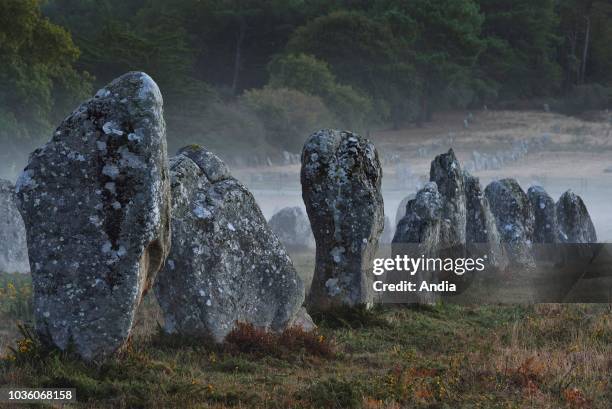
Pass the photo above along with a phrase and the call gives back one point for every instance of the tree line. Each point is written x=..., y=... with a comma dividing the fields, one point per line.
x=242, y=73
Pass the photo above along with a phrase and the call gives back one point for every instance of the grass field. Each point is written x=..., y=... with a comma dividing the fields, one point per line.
x=444, y=356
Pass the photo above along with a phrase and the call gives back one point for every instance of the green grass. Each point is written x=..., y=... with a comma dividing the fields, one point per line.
x=15, y=296
x=442, y=356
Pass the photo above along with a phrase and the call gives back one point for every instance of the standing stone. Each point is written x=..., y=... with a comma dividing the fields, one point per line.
x=575, y=225
x=96, y=205
x=515, y=221
x=446, y=172
x=481, y=232
x=545, y=217
x=13, y=246
x=292, y=227
x=401, y=208
x=226, y=265
x=422, y=222
x=341, y=187
x=421, y=229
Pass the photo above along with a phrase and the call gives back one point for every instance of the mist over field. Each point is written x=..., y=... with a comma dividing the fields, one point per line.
x=143, y=285
x=562, y=153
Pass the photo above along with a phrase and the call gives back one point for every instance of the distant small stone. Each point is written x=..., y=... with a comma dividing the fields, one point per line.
x=515, y=221
x=422, y=221
x=292, y=228
x=545, y=216
x=575, y=224
x=401, y=208
x=482, y=236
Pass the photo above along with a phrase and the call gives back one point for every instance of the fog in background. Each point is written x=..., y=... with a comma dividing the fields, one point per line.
x=518, y=88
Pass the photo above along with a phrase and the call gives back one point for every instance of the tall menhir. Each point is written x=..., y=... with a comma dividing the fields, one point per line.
x=96, y=205
x=341, y=180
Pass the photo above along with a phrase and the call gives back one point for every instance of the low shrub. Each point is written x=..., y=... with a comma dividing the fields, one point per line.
x=248, y=339
x=288, y=115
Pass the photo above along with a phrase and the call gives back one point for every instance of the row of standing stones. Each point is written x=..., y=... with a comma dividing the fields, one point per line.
x=108, y=217
x=452, y=216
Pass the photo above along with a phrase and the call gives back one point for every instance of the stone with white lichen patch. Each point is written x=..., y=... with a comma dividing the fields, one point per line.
x=574, y=221
x=96, y=206
x=515, y=221
x=450, y=218
x=545, y=215
x=341, y=186
x=226, y=265
x=292, y=228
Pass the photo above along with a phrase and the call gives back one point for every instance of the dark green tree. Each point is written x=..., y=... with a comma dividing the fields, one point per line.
x=307, y=74
x=38, y=82
x=521, y=47
x=586, y=33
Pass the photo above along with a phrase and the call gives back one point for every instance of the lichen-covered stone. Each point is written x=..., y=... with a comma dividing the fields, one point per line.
x=13, y=246
x=341, y=187
x=422, y=226
x=515, y=221
x=575, y=225
x=423, y=220
x=292, y=228
x=226, y=265
x=545, y=217
x=481, y=233
x=96, y=205
x=446, y=172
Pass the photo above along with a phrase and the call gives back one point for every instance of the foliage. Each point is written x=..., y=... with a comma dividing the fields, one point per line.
x=356, y=47
x=520, y=49
x=583, y=98
x=248, y=339
x=370, y=63
x=16, y=296
x=38, y=80
x=288, y=115
x=307, y=74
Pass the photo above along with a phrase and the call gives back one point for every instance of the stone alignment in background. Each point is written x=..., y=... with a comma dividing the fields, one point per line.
x=341, y=186
x=13, y=246
x=226, y=265
x=450, y=218
x=96, y=205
